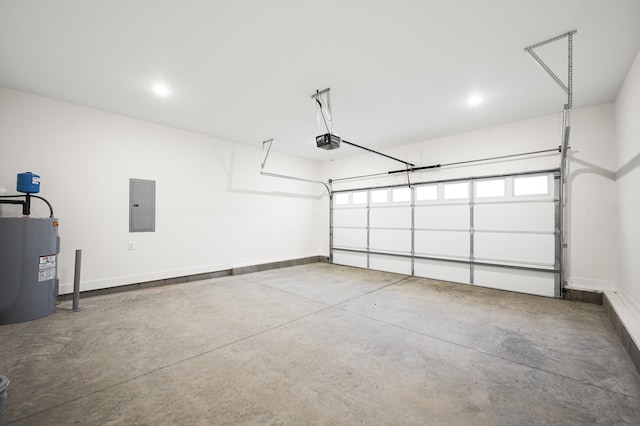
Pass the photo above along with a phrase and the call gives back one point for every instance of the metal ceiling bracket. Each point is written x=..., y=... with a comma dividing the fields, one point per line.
x=561, y=245
x=567, y=88
x=323, y=101
x=320, y=93
x=266, y=156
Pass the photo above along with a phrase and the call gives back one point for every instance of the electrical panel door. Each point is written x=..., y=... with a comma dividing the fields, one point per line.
x=142, y=205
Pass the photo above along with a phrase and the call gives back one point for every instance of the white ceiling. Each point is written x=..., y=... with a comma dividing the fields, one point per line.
x=399, y=71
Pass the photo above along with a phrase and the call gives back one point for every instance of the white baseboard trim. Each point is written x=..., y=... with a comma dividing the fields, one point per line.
x=589, y=284
x=625, y=316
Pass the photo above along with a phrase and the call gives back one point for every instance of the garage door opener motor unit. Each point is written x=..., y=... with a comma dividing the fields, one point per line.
x=29, y=250
x=328, y=141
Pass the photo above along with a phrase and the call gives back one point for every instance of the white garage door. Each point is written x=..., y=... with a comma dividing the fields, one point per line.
x=500, y=232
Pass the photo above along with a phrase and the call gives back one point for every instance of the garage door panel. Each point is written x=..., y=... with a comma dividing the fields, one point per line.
x=399, y=265
x=350, y=259
x=539, y=217
x=350, y=217
x=397, y=217
x=445, y=271
x=442, y=243
x=397, y=241
x=533, y=249
x=442, y=217
x=351, y=238
x=530, y=282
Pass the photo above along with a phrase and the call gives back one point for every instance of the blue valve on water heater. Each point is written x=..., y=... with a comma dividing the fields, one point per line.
x=28, y=182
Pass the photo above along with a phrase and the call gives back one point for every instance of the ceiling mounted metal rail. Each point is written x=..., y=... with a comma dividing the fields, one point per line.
x=379, y=153
x=457, y=163
x=567, y=88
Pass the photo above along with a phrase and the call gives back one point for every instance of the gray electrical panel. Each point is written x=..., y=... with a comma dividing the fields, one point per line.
x=29, y=283
x=142, y=205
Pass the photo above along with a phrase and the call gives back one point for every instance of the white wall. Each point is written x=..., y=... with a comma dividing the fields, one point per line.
x=627, y=108
x=214, y=210
x=591, y=197
x=592, y=205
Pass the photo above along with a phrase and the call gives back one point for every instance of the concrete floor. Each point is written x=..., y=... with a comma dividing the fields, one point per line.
x=319, y=344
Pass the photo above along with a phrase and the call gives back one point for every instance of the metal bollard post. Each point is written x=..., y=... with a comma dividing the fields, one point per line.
x=76, y=283
x=4, y=383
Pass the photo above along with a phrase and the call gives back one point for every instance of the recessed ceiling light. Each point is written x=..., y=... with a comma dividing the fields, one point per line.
x=161, y=90
x=474, y=100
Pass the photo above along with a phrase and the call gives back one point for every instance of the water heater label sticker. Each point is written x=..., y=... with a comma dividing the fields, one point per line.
x=47, y=267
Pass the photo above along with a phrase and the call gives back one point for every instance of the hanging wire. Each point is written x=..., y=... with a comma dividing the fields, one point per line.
x=408, y=175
